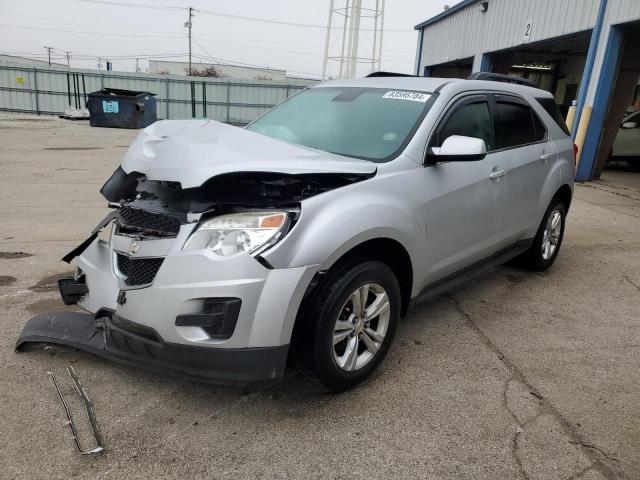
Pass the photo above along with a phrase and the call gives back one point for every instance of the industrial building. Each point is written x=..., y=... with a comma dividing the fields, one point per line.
x=586, y=52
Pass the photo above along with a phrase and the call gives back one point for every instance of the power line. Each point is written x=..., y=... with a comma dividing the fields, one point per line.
x=87, y=56
x=208, y=54
x=229, y=15
x=234, y=62
x=291, y=24
x=108, y=34
x=134, y=5
x=84, y=24
x=205, y=39
x=158, y=35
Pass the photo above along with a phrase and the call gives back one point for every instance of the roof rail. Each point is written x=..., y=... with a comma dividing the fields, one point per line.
x=388, y=74
x=497, y=77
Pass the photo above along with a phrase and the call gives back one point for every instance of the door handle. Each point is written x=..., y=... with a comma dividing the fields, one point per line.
x=546, y=156
x=495, y=173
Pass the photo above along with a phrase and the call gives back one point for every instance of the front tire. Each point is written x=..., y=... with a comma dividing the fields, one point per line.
x=356, y=313
x=548, y=239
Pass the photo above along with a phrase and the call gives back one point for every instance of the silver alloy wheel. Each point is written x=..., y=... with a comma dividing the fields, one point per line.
x=551, y=234
x=361, y=327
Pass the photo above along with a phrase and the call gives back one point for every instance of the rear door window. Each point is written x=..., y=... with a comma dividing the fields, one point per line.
x=514, y=125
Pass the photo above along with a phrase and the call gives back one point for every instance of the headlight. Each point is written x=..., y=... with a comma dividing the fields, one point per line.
x=250, y=232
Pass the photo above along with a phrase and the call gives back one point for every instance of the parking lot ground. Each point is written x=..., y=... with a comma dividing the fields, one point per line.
x=517, y=375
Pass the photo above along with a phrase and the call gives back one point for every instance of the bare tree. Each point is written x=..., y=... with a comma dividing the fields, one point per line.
x=208, y=71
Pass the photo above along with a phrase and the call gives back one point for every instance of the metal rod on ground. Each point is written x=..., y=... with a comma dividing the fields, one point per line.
x=97, y=448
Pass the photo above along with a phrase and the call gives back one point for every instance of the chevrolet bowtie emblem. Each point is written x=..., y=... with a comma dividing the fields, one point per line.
x=134, y=247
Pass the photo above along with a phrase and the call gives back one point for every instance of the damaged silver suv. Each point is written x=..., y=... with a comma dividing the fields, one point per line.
x=317, y=225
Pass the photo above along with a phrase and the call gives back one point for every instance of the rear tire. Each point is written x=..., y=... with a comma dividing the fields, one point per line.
x=548, y=239
x=354, y=315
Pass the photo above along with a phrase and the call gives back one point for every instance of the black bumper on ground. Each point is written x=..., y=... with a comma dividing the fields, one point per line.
x=123, y=343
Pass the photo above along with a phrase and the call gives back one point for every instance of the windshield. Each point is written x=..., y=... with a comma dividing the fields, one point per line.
x=368, y=123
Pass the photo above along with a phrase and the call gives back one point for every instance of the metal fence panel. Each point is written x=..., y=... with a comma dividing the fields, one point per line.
x=51, y=90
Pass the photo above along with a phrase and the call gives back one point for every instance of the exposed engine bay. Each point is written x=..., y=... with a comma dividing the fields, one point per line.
x=249, y=189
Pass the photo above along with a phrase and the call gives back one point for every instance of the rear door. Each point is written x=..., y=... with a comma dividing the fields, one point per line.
x=523, y=145
x=464, y=201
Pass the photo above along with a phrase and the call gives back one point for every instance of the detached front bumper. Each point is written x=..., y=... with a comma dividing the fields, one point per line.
x=101, y=336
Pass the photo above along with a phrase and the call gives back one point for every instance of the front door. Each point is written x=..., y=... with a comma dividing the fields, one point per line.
x=464, y=202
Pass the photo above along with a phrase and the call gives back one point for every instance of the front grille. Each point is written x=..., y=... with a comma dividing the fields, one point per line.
x=135, y=221
x=138, y=271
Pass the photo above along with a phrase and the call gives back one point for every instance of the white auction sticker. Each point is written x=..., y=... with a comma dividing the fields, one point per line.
x=411, y=96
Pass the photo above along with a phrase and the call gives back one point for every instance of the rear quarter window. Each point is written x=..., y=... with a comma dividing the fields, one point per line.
x=550, y=106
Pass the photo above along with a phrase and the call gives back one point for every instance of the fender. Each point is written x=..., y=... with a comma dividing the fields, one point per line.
x=327, y=222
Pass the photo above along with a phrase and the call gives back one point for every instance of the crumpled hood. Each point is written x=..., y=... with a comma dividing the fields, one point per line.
x=192, y=151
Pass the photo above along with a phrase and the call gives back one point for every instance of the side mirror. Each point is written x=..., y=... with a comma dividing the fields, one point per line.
x=630, y=125
x=457, y=148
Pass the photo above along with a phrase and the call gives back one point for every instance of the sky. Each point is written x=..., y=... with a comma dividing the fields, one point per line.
x=116, y=30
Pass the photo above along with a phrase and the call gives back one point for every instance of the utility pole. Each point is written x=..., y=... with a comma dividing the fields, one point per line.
x=49, y=53
x=68, y=53
x=99, y=63
x=137, y=65
x=189, y=24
